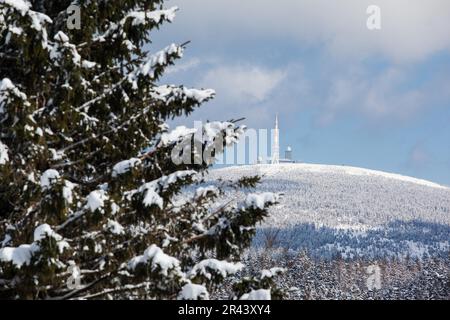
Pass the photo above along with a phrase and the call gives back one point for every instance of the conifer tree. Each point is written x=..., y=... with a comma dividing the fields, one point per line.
x=92, y=203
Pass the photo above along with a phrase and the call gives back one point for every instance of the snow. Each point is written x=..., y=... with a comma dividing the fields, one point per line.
x=170, y=93
x=208, y=135
x=114, y=208
x=344, y=170
x=367, y=172
x=15, y=30
x=231, y=132
x=271, y=273
x=39, y=132
x=159, y=59
x=62, y=245
x=88, y=64
x=22, y=254
x=138, y=18
x=48, y=178
x=114, y=227
x=61, y=36
x=56, y=155
x=45, y=230
x=152, y=197
x=261, y=294
x=18, y=256
x=7, y=85
x=176, y=135
x=141, y=17
x=37, y=19
x=7, y=88
x=203, y=191
x=192, y=291
x=167, y=181
x=260, y=201
x=125, y=166
x=62, y=44
x=4, y=158
x=152, y=189
x=158, y=260
x=208, y=267
x=96, y=200
x=331, y=210
x=5, y=241
x=19, y=5
x=68, y=191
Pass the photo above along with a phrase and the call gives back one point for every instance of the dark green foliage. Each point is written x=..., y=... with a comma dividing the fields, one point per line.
x=75, y=104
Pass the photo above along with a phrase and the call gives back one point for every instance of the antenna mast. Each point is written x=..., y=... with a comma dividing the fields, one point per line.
x=276, y=143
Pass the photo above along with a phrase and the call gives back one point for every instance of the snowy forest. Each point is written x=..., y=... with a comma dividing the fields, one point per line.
x=335, y=223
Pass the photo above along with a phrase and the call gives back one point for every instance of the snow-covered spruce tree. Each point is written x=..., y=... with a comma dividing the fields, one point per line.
x=91, y=203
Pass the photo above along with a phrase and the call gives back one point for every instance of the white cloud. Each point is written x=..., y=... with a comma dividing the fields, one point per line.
x=249, y=84
x=336, y=84
x=379, y=97
x=411, y=29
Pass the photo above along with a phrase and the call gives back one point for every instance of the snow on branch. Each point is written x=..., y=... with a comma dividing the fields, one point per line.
x=138, y=18
x=229, y=130
x=61, y=46
x=96, y=200
x=211, y=268
x=45, y=230
x=19, y=5
x=157, y=260
x=172, y=94
x=125, y=166
x=51, y=177
x=148, y=68
x=192, y=291
x=154, y=62
x=176, y=135
x=57, y=49
x=22, y=255
x=114, y=227
x=261, y=294
x=151, y=190
x=37, y=20
x=156, y=16
x=4, y=158
x=260, y=201
x=7, y=90
x=48, y=178
x=271, y=273
x=209, y=134
x=202, y=192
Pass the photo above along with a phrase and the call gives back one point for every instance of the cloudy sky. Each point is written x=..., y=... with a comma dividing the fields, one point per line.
x=377, y=99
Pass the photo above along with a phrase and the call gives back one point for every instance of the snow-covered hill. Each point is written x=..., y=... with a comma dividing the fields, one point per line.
x=331, y=210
